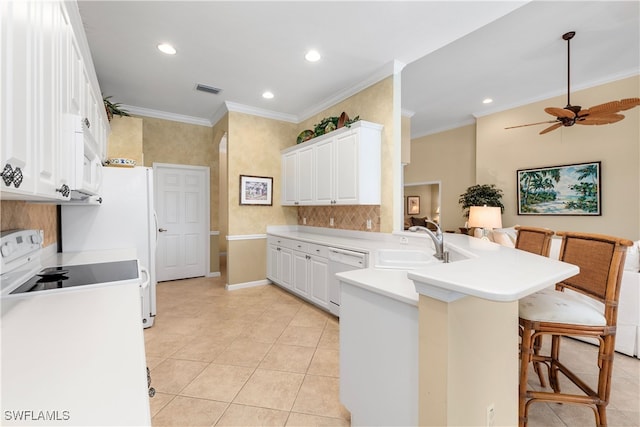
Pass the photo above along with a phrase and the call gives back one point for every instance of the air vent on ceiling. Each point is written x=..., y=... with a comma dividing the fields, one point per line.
x=209, y=89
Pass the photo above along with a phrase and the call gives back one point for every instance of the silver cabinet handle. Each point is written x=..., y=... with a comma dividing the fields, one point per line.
x=162, y=230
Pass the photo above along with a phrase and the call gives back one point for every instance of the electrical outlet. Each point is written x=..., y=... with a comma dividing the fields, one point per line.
x=404, y=240
x=491, y=416
x=331, y=222
x=304, y=221
x=368, y=224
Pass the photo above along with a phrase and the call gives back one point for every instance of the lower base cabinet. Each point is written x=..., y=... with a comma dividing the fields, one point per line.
x=300, y=268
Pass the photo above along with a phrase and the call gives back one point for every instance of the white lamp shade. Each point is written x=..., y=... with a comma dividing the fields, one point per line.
x=485, y=217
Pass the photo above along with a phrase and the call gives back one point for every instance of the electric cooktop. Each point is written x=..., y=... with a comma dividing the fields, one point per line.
x=68, y=276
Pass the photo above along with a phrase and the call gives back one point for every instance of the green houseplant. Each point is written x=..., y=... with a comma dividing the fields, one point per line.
x=113, y=108
x=480, y=195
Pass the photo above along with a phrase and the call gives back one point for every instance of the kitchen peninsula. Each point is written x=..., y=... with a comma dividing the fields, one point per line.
x=452, y=352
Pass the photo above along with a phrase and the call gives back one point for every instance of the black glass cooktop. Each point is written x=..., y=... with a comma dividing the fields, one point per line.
x=68, y=276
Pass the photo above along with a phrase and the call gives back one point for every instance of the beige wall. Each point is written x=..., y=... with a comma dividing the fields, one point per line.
x=500, y=153
x=125, y=139
x=253, y=148
x=448, y=157
x=166, y=141
x=428, y=200
x=373, y=104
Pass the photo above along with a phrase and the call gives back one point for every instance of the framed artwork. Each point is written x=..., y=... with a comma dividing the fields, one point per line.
x=256, y=190
x=560, y=190
x=413, y=205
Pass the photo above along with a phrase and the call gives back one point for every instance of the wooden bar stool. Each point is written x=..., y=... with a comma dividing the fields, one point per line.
x=537, y=241
x=560, y=313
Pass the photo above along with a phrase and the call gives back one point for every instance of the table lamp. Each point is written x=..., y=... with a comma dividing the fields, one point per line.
x=486, y=218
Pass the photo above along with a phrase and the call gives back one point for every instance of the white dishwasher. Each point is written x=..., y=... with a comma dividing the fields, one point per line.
x=341, y=260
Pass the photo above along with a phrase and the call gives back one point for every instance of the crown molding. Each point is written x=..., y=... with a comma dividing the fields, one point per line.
x=260, y=112
x=147, y=112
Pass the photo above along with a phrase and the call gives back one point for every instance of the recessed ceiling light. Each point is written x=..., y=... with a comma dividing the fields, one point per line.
x=487, y=101
x=267, y=95
x=312, y=56
x=166, y=48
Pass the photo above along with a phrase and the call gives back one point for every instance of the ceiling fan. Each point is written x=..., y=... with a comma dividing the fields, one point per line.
x=570, y=115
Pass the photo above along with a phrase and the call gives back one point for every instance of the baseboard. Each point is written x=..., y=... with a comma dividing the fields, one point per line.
x=247, y=285
x=214, y=274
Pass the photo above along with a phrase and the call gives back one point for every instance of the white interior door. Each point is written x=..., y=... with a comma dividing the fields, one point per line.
x=182, y=206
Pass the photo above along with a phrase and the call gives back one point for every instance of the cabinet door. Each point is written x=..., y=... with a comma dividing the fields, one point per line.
x=305, y=176
x=300, y=273
x=324, y=172
x=286, y=267
x=319, y=279
x=272, y=263
x=346, y=173
x=289, y=173
x=17, y=97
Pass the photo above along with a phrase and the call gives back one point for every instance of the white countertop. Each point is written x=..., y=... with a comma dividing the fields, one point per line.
x=75, y=356
x=479, y=268
x=496, y=273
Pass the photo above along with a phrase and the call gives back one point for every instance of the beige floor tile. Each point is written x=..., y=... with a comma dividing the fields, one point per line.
x=218, y=382
x=288, y=358
x=330, y=338
x=325, y=362
x=270, y=389
x=173, y=375
x=310, y=317
x=187, y=411
x=153, y=361
x=320, y=396
x=245, y=416
x=164, y=345
x=203, y=349
x=159, y=401
x=243, y=352
x=301, y=336
x=305, y=420
x=264, y=331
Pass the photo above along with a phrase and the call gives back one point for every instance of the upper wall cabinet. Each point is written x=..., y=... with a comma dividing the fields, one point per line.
x=39, y=54
x=340, y=168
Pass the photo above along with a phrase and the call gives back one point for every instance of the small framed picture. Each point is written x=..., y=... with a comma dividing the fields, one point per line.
x=413, y=205
x=256, y=190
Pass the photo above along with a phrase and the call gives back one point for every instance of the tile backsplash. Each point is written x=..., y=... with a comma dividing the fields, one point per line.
x=18, y=214
x=351, y=217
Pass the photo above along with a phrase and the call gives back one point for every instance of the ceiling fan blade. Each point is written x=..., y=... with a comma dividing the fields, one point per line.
x=612, y=107
x=560, y=112
x=600, y=120
x=550, y=128
x=531, y=124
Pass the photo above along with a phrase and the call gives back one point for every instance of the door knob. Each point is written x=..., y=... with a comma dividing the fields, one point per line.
x=162, y=230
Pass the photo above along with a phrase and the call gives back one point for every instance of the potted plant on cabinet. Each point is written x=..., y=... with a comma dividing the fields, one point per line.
x=113, y=108
x=480, y=195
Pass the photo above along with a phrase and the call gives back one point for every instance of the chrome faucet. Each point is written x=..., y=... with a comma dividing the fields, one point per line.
x=437, y=237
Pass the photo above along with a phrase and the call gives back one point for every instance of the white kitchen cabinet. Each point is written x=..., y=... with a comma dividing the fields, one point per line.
x=297, y=177
x=30, y=94
x=300, y=267
x=345, y=168
x=40, y=68
x=280, y=262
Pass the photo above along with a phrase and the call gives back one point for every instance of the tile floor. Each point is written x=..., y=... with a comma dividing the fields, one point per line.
x=262, y=357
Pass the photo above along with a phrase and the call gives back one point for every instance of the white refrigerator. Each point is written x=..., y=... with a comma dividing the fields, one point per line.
x=125, y=219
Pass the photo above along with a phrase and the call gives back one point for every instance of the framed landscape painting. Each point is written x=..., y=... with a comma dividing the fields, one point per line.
x=560, y=190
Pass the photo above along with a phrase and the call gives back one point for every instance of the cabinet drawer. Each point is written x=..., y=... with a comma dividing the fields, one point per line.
x=280, y=241
x=318, y=250
x=300, y=246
